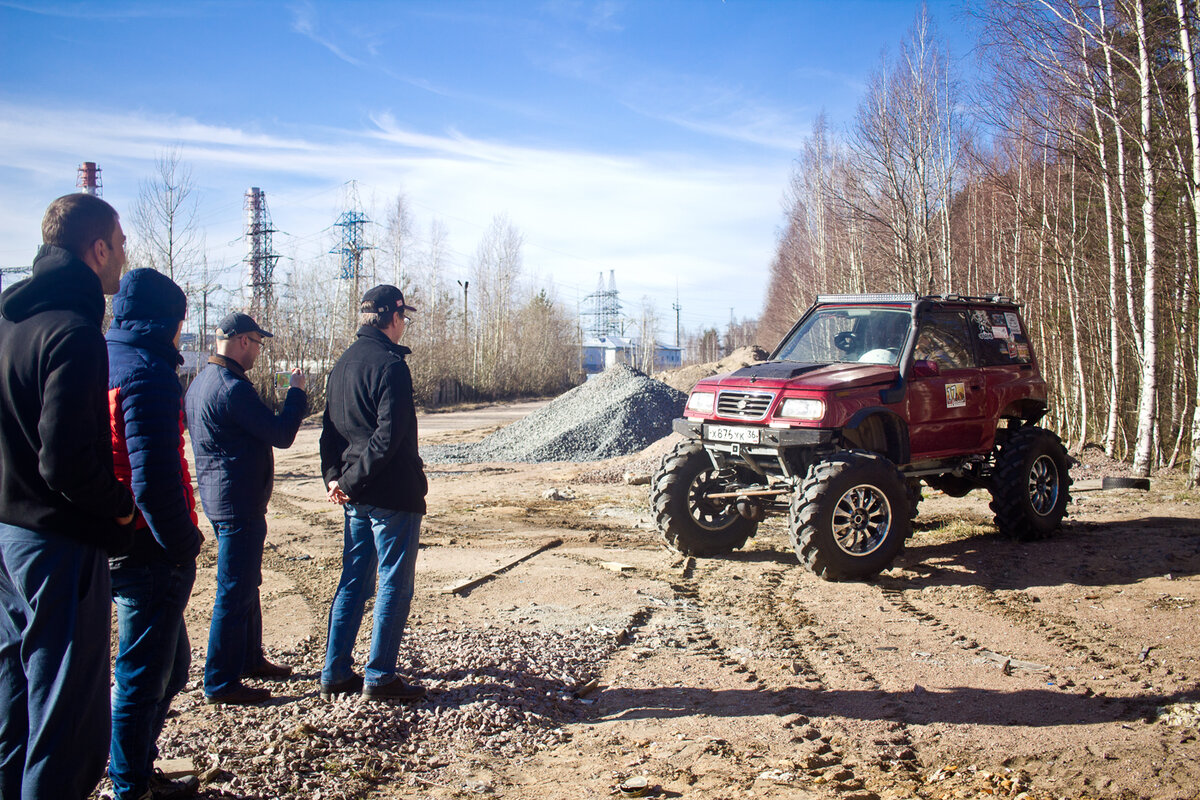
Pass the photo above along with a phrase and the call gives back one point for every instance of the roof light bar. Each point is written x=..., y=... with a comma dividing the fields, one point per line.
x=867, y=298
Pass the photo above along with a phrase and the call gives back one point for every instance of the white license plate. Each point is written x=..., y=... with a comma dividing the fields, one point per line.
x=731, y=433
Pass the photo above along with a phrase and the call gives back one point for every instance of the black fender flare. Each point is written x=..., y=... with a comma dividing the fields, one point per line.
x=1029, y=410
x=895, y=430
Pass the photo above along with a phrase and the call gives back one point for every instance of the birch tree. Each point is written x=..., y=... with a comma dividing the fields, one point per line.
x=1149, y=385
x=164, y=220
x=1193, y=115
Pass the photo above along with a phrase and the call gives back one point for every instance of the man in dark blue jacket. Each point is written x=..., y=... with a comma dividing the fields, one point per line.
x=372, y=469
x=61, y=507
x=233, y=432
x=151, y=584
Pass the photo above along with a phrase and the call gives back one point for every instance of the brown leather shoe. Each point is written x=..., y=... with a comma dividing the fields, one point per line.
x=352, y=685
x=396, y=690
x=238, y=696
x=269, y=671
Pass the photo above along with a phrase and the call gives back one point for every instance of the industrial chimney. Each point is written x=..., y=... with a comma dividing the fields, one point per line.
x=88, y=180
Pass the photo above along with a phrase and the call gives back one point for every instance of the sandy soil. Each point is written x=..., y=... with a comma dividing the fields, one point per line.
x=975, y=667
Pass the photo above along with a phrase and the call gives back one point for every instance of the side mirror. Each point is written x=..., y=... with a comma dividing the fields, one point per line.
x=924, y=368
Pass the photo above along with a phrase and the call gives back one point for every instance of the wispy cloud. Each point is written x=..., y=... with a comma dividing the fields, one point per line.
x=739, y=121
x=306, y=22
x=656, y=221
x=711, y=105
x=593, y=15
x=109, y=10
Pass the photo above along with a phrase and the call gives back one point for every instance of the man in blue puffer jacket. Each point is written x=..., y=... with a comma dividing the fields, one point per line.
x=151, y=584
x=233, y=432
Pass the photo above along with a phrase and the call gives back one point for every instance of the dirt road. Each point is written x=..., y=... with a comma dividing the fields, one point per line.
x=975, y=667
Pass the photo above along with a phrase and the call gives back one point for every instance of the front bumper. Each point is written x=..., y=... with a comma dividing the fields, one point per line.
x=763, y=437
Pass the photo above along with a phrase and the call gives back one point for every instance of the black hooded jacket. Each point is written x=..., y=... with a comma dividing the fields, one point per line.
x=56, y=467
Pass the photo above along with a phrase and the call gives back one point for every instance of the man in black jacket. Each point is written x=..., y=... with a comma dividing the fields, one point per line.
x=62, y=510
x=233, y=432
x=371, y=468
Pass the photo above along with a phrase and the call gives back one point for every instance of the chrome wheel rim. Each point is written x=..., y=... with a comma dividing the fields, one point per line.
x=862, y=519
x=1043, y=486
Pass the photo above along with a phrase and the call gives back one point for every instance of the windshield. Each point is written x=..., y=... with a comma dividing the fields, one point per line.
x=840, y=335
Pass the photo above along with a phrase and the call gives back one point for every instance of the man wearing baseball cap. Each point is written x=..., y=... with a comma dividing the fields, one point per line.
x=233, y=432
x=371, y=468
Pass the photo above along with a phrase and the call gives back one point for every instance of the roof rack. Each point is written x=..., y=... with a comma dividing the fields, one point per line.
x=909, y=297
x=970, y=298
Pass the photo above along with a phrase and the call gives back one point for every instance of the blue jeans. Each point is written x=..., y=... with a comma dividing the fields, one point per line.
x=54, y=629
x=235, y=636
x=153, y=657
x=375, y=538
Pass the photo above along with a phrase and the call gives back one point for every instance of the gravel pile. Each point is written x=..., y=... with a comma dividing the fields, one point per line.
x=685, y=378
x=497, y=690
x=616, y=413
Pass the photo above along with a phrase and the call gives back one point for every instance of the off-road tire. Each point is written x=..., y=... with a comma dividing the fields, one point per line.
x=847, y=493
x=1031, y=484
x=686, y=523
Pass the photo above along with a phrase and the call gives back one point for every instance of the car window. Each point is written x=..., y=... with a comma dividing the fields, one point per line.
x=1000, y=336
x=816, y=344
x=865, y=334
x=944, y=337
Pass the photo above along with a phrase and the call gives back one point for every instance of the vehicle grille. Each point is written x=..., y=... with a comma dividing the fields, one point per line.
x=744, y=405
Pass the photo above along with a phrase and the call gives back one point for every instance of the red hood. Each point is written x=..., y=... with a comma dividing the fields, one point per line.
x=775, y=375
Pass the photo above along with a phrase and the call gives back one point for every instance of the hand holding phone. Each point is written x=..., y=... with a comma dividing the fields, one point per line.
x=286, y=380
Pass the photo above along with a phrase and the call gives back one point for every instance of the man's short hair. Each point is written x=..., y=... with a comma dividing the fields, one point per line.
x=375, y=319
x=379, y=304
x=75, y=222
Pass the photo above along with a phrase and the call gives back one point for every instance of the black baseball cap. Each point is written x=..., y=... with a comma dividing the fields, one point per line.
x=383, y=299
x=238, y=323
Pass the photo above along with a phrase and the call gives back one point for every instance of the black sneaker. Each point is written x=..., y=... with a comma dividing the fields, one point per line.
x=396, y=690
x=238, y=696
x=164, y=788
x=352, y=685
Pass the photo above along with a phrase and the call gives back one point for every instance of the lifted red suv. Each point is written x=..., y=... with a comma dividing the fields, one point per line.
x=866, y=396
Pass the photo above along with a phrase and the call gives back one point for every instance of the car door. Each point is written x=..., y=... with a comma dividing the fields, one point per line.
x=946, y=411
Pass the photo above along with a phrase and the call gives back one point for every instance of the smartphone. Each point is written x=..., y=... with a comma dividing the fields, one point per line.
x=283, y=380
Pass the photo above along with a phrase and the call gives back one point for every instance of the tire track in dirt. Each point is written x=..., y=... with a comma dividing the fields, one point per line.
x=1097, y=703
x=1087, y=649
x=1077, y=647
x=778, y=607
x=288, y=505
x=315, y=587
x=772, y=606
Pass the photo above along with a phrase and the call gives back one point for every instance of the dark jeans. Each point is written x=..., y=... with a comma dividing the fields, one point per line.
x=235, y=637
x=153, y=657
x=54, y=630
x=374, y=538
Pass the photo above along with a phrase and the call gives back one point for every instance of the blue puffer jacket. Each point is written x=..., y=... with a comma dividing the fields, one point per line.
x=146, y=415
x=233, y=432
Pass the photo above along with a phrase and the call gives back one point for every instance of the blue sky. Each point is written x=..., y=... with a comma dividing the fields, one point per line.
x=652, y=138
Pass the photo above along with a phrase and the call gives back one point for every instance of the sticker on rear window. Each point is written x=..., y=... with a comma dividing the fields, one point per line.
x=956, y=395
x=982, y=323
x=1014, y=323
